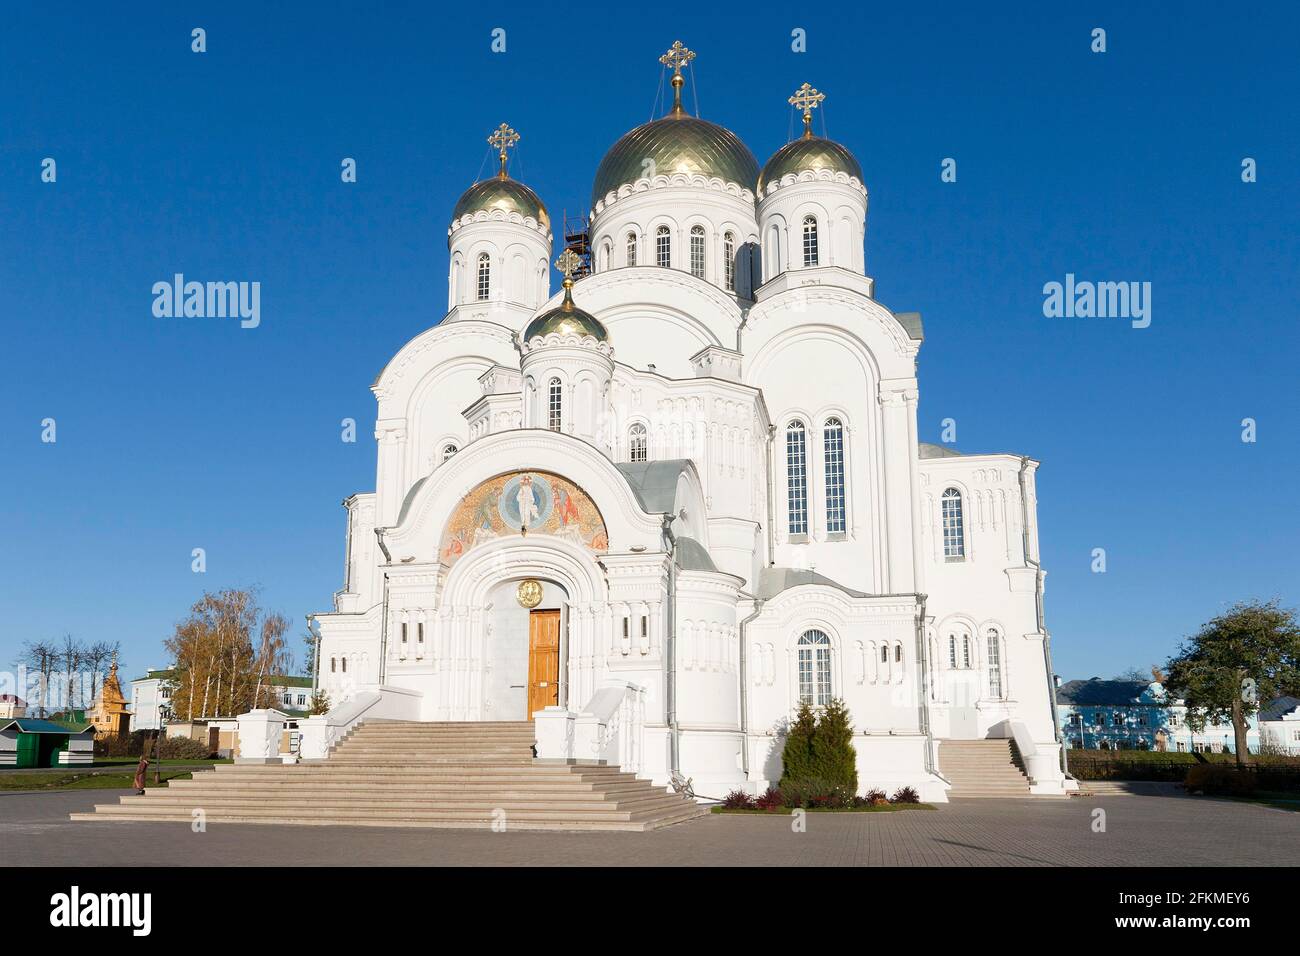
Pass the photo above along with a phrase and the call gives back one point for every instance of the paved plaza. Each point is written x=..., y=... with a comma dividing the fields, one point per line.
x=1140, y=830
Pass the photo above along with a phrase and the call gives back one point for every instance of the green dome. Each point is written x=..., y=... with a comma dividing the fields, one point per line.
x=504, y=194
x=677, y=143
x=567, y=319
x=810, y=152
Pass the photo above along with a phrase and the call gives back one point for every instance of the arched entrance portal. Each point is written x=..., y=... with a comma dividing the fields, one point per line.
x=525, y=647
x=501, y=642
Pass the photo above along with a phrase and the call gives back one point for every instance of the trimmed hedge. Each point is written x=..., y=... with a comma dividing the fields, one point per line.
x=1167, y=766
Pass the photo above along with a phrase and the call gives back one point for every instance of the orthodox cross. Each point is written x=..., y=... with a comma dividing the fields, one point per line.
x=807, y=98
x=568, y=263
x=504, y=139
x=677, y=57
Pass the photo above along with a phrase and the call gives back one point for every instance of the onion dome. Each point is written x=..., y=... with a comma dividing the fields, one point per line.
x=809, y=152
x=676, y=143
x=501, y=193
x=566, y=318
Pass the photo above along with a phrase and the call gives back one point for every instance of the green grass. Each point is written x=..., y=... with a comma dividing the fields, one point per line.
x=786, y=811
x=79, y=780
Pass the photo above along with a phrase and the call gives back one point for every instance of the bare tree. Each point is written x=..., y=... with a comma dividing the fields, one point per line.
x=40, y=657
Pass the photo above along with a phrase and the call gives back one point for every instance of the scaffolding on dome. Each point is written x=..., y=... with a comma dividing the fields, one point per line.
x=578, y=240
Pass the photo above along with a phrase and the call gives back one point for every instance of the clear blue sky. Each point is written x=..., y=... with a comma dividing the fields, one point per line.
x=175, y=434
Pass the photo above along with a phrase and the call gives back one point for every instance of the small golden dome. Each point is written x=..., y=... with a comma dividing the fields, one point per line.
x=809, y=153
x=504, y=194
x=567, y=318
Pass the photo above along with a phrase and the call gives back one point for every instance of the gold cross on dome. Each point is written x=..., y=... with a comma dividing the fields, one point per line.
x=677, y=57
x=503, y=138
x=807, y=99
x=568, y=263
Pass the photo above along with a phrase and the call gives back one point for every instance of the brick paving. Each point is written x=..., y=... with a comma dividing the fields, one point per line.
x=1140, y=830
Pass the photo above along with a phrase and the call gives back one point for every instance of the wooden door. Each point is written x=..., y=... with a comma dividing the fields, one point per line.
x=543, y=660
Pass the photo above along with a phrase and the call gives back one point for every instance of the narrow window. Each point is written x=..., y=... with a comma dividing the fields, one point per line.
x=954, y=541
x=555, y=408
x=344, y=662
x=697, y=251
x=663, y=248
x=448, y=451
x=419, y=633
x=636, y=443
x=796, y=473
x=809, y=241
x=952, y=650
x=995, y=665
x=403, y=632
x=333, y=662
x=833, y=448
x=814, y=661
x=484, y=276
x=631, y=248
x=729, y=262
x=898, y=653
x=965, y=651
x=884, y=653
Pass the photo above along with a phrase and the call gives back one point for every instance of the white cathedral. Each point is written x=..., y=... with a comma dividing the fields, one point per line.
x=653, y=511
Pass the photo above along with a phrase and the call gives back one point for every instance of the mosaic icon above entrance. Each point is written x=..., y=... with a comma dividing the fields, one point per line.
x=523, y=503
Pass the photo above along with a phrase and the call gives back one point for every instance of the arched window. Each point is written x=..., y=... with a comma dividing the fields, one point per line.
x=884, y=653
x=448, y=451
x=994, y=657
x=631, y=248
x=954, y=541
x=344, y=662
x=729, y=262
x=697, y=251
x=484, y=276
x=606, y=255
x=815, y=668
x=555, y=405
x=809, y=241
x=833, y=450
x=959, y=651
x=663, y=248
x=898, y=653
x=636, y=443
x=796, y=477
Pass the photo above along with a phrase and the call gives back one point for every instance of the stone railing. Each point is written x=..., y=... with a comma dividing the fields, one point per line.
x=608, y=730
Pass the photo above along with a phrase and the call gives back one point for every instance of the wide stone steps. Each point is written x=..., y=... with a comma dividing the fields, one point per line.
x=391, y=773
x=981, y=769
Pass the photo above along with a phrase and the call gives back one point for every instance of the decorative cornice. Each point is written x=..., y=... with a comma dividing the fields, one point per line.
x=499, y=215
x=648, y=183
x=814, y=176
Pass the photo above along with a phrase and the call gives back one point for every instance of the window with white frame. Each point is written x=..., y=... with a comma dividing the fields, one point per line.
x=631, y=248
x=954, y=541
x=448, y=451
x=663, y=248
x=636, y=443
x=484, y=276
x=814, y=661
x=729, y=262
x=555, y=405
x=796, y=477
x=994, y=657
x=833, y=451
x=810, y=241
x=697, y=251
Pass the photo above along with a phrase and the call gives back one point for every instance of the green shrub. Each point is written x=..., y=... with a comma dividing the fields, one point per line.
x=182, y=748
x=834, y=760
x=796, y=757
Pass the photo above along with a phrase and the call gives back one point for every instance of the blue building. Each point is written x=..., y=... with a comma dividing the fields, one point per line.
x=1098, y=714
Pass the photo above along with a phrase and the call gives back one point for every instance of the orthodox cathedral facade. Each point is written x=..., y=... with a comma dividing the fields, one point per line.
x=652, y=512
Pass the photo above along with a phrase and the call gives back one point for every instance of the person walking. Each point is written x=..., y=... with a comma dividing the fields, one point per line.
x=140, y=769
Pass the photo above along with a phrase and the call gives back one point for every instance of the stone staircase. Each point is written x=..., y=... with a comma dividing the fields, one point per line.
x=414, y=774
x=982, y=768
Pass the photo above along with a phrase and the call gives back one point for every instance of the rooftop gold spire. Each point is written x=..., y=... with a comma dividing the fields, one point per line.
x=677, y=57
x=568, y=263
x=807, y=98
x=504, y=139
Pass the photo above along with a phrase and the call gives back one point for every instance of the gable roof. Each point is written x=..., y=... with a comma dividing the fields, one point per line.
x=773, y=580
x=28, y=726
x=1279, y=708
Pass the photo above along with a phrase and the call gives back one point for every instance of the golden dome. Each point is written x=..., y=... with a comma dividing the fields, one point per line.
x=566, y=319
x=504, y=194
x=677, y=143
x=809, y=153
